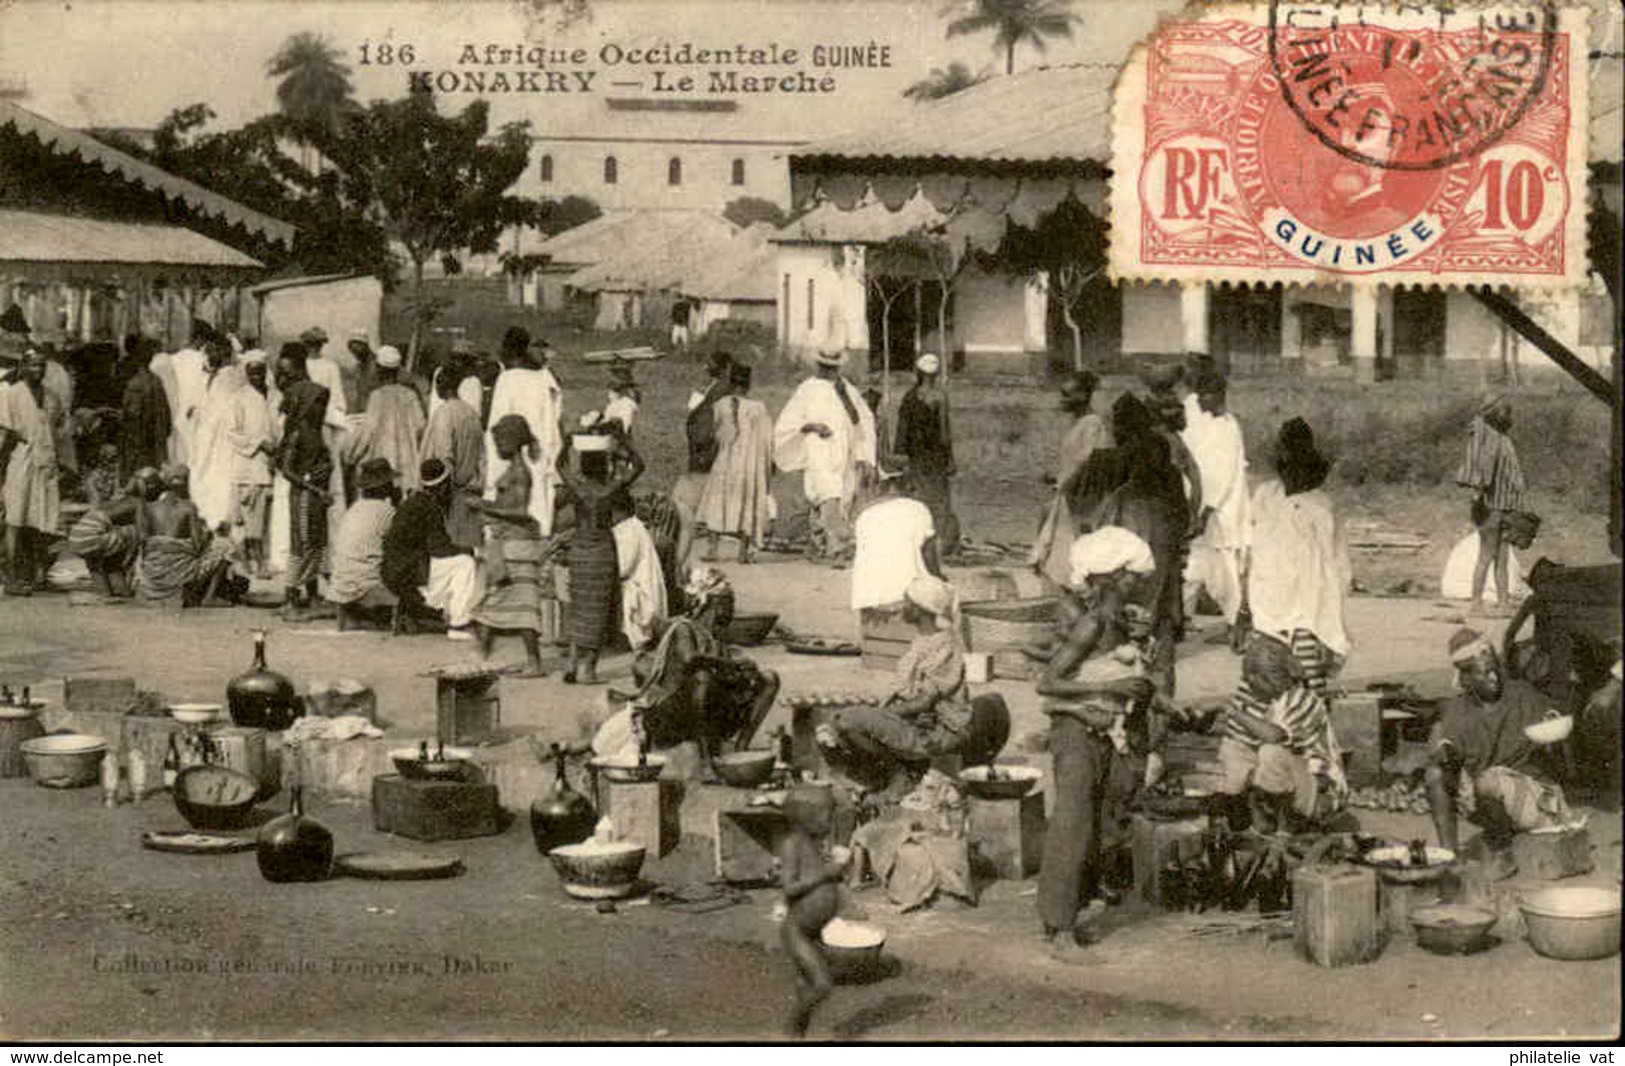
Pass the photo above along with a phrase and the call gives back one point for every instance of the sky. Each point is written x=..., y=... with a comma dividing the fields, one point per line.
x=131, y=62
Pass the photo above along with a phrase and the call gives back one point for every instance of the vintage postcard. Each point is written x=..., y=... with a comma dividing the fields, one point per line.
x=899, y=521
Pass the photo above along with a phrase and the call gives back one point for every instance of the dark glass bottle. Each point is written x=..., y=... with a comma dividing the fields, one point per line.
x=293, y=847
x=261, y=698
x=563, y=817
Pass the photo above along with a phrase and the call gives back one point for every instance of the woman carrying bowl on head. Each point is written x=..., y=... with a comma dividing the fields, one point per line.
x=592, y=492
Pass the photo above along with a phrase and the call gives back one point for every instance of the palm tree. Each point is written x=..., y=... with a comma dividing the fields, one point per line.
x=1014, y=22
x=315, y=93
x=944, y=81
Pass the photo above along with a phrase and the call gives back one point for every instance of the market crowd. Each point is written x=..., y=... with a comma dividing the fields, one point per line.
x=476, y=512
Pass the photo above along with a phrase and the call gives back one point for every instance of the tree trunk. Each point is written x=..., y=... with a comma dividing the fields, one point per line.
x=947, y=352
x=1010, y=57
x=918, y=339
x=1077, y=333
x=885, y=348
x=417, y=317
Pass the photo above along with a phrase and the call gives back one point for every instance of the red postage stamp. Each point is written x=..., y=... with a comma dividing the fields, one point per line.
x=1393, y=143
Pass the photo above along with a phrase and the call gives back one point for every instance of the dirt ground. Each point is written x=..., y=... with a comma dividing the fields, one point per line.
x=100, y=938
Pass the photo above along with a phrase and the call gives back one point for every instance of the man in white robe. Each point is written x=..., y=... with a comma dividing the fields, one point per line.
x=827, y=432
x=336, y=427
x=191, y=374
x=1214, y=439
x=211, y=485
x=532, y=393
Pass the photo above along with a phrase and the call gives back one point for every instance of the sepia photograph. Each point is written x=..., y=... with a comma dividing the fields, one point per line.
x=810, y=521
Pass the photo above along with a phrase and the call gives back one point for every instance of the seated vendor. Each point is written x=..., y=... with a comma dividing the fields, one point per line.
x=1277, y=748
x=929, y=713
x=693, y=686
x=357, y=552
x=181, y=558
x=108, y=536
x=1484, y=766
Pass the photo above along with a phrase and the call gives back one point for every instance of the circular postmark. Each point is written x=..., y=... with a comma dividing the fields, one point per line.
x=1403, y=88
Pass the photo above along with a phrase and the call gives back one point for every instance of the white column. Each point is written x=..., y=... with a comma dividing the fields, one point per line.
x=854, y=296
x=1035, y=335
x=1193, y=315
x=1363, y=302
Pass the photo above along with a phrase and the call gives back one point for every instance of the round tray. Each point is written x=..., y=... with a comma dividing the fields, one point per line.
x=397, y=865
x=179, y=843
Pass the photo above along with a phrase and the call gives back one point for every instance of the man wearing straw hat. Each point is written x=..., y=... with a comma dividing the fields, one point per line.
x=1484, y=764
x=827, y=432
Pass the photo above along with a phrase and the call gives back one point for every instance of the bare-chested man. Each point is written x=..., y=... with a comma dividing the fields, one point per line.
x=108, y=537
x=181, y=557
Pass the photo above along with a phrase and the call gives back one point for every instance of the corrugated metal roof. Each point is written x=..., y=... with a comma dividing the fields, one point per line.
x=30, y=237
x=1047, y=114
x=67, y=141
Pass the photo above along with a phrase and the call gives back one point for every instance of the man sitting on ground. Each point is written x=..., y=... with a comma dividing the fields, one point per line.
x=108, y=536
x=1484, y=766
x=693, y=686
x=357, y=553
x=181, y=557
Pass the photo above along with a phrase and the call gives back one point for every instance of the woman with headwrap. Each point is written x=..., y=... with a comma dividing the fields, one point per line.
x=693, y=686
x=519, y=591
x=592, y=492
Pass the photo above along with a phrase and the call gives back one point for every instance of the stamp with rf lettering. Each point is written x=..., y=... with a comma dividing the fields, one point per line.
x=1384, y=143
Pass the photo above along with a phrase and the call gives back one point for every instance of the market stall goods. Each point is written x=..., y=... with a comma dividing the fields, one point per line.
x=563, y=816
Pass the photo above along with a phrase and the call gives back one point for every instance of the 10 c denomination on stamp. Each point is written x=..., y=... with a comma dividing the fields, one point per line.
x=1375, y=143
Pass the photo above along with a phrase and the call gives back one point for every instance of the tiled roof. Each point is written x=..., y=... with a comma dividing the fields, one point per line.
x=65, y=141
x=31, y=237
x=1047, y=114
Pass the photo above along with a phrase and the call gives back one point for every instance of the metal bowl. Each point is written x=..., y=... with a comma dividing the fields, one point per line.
x=450, y=766
x=1007, y=782
x=195, y=713
x=215, y=797
x=1452, y=928
x=591, y=870
x=744, y=769
x=1551, y=729
x=1572, y=922
x=626, y=768
x=852, y=948
x=64, y=760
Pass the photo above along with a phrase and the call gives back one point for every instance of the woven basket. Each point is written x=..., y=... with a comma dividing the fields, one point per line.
x=996, y=625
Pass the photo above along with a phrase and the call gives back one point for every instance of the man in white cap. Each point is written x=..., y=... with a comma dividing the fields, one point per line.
x=1095, y=684
x=926, y=438
x=929, y=712
x=1484, y=764
x=252, y=434
x=394, y=423
x=29, y=414
x=827, y=432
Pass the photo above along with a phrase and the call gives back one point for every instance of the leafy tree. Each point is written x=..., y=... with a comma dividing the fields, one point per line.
x=315, y=94
x=944, y=81
x=749, y=210
x=555, y=216
x=437, y=184
x=1014, y=22
x=926, y=254
x=1068, y=244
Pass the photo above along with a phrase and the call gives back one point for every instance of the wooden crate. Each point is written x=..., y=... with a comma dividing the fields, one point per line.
x=1155, y=843
x=468, y=710
x=97, y=694
x=1334, y=914
x=744, y=843
x=1554, y=855
x=1009, y=833
x=434, y=810
x=884, y=637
